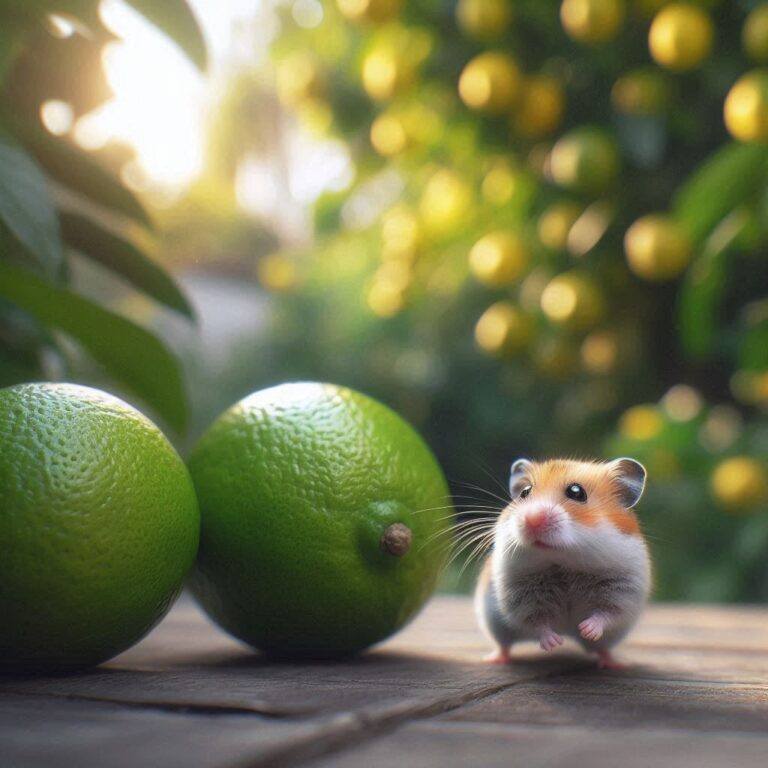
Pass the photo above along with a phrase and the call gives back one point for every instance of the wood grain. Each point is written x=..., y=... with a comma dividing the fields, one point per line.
x=694, y=694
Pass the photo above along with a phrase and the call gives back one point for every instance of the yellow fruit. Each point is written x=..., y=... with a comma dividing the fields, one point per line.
x=555, y=224
x=589, y=228
x=299, y=78
x=388, y=135
x=592, y=21
x=540, y=108
x=641, y=92
x=538, y=159
x=501, y=183
x=681, y=36
x=750, y=387
x=484, y=19
x=740, y=482
x=573, y=300
x=446, y=203
x=754, y=34
x=746, y=107
x=391, y=64
x=277, y=272
x=400, y=234
x=532, y=287
x=315, y=114
x=600, y=352
x=490, y=82
x=499, y=258
x=682, y=403
x=641, y=422
x=503, y=330
x=407, y=126
x=657, y=248
x=585, y=160
x=721, y=429
x=386, y=299
x=385, y=73
x=371, y=11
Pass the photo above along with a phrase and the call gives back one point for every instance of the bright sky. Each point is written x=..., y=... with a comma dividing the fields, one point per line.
x=161, y=100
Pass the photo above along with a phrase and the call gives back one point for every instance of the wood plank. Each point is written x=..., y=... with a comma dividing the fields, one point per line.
x=692, y=668
x=39, y=732
x=212, y=671
x=457, y=745
x=623, y=702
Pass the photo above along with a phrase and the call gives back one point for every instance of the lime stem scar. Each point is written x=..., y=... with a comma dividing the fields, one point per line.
x=396, y=539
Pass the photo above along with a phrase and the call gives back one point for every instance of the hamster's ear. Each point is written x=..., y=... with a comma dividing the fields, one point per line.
x=630, y=479
x=519, y=477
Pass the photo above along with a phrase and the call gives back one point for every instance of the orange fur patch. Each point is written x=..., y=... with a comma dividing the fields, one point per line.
x=553, y=477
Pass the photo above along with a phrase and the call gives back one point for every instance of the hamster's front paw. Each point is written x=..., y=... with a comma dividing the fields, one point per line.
x=549, y=639
x=593, y=627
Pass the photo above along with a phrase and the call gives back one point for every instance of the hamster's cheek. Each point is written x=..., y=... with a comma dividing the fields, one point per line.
x=507, y=531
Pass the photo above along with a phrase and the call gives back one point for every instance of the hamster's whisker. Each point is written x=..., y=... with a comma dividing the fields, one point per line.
x=476, y=498
x=490, y=475
x=463, y=534
x=466, y=541
x=466, y=544
x=510, y=548
x=471, y=529
x=460, y=527
x=458, y=507
x=485, y=491
x=479, y=549
x=481, y=516
x=475, y=522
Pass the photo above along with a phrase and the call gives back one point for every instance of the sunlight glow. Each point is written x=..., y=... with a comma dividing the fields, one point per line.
x=158, y=102
x=307, y=13
x=161, y=104
x=57, y=116
x=60, y=27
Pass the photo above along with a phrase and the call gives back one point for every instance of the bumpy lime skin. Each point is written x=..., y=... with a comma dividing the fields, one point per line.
x=296, y=485
x=99, y=525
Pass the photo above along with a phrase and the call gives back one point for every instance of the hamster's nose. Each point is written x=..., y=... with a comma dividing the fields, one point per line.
x=536, y=519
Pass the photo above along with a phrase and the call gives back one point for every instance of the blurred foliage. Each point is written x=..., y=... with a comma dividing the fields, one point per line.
x=56, y=201
x=554, y=243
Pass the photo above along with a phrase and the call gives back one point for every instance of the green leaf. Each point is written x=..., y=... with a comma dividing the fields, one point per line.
x=128, y=352
x=723, y=182
x=26, y=206
x=124, y=258
x=75, y=170
x=704, y=284
x=175, y=19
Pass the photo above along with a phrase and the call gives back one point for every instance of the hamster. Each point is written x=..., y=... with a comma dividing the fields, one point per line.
x=568, y=558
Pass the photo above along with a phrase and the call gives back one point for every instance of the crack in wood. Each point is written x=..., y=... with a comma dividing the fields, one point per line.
x=352, y=729
x=191, y=708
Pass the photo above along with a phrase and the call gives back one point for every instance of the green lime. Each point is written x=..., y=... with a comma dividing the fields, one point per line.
x=98, y=523
x=324, y=520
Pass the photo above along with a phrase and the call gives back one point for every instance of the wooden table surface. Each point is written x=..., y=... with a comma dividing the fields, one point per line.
x=695, y=694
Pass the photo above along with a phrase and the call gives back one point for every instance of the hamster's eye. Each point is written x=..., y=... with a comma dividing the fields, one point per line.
x=525, y=492
x=576, y=492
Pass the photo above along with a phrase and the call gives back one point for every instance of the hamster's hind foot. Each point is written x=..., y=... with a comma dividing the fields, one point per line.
x=606, y=660
x=499, y=656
